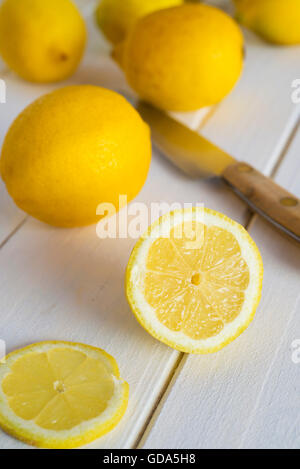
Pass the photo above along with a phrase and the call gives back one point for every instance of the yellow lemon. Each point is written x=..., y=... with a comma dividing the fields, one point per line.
x=183, y=58
x=41, y=40
x=278, y=21
x=116, y=17
x=60, y=394
x=194, y=280
x=72, y=150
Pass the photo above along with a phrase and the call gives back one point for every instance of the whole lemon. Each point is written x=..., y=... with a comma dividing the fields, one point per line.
x=278, y=21
x=72, y=150
x=116, y=17
x=41, y=40
x=183, y=58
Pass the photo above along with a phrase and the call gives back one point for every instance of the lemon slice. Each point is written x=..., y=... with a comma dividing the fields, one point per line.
x=60, y=394
x=194, y=280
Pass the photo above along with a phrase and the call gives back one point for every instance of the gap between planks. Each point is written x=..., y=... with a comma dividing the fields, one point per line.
x=251, y=218
x=14, y=231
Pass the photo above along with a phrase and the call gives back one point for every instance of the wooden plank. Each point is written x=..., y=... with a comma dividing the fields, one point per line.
x=68, y=284
x=247, y=395
x=274, y=421
x=275, y=418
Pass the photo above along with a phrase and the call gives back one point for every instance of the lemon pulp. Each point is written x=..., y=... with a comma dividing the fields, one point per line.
x=60, y=394
x=196, y=290
x=58, y=389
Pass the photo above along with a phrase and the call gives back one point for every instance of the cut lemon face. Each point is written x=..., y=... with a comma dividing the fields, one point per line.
x=60, y=394
x=194, y=280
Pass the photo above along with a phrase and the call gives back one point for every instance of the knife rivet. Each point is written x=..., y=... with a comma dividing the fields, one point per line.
x=289, y=202
x=244, y=168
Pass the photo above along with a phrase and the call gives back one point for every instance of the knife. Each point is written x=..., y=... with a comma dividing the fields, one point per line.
x=198, y=157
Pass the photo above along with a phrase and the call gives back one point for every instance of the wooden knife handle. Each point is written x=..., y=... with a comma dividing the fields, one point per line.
x=265, y=197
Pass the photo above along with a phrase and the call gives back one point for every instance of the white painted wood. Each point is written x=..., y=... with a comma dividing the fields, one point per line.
x=247, y=395
x=275, y=420
x=289, y=170
x=67, y=284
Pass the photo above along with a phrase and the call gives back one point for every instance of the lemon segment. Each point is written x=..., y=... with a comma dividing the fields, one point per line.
x=60, y=394
x=194, y=280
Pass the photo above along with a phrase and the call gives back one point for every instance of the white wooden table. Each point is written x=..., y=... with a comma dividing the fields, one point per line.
x=68, y=284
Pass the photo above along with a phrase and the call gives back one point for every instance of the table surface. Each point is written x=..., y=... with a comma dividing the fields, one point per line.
x=68, y=284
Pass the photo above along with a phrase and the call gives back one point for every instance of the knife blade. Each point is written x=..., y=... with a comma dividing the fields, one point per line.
x=192, y=153
x=198, y=157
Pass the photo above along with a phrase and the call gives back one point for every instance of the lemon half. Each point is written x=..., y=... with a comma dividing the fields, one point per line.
x=194, y=280
x=60, y=394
